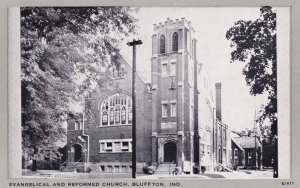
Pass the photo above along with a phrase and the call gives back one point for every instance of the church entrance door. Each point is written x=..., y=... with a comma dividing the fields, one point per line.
x=76, y=151
x=170, y=152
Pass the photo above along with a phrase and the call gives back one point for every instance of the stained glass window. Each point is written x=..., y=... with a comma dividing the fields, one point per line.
x=116, y=110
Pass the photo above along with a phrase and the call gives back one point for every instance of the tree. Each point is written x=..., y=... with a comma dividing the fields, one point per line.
x=254, y=43
x=268, y=145
x=65, y=52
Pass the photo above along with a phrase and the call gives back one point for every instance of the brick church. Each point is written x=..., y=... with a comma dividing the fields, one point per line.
x=178, y=119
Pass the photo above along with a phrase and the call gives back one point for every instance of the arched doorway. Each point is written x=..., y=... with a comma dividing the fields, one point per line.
x=76, y=151
x=170, y=152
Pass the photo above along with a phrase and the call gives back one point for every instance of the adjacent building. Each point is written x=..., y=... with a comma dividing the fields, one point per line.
x=247, y=152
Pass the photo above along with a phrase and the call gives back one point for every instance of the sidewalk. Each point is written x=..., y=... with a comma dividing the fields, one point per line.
x=242, y=174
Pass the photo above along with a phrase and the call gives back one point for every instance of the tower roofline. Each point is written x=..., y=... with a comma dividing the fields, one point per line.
x=183, y=21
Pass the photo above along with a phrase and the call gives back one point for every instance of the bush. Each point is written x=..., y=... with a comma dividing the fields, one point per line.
x=81, y=169
x=236, y=168
x=203, y=169
x=47, y=165
x=218, y=168
x=149, y=169
x=196, y=170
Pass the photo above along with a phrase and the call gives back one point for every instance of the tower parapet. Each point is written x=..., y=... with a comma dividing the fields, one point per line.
x=177, y=22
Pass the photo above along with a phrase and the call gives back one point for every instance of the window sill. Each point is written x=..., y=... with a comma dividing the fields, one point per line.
x=103, y=152
x=118, y=78
x=114, y=125
x=167, y=76
x=172, y=52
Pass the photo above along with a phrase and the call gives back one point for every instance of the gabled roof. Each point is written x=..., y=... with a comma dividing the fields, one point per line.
x=247, y=142
x=236, y=143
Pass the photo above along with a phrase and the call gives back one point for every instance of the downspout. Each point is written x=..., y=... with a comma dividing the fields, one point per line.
x=88, y=140
x=213, y=139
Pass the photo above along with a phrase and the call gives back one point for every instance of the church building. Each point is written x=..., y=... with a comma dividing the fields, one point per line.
x=175, y=113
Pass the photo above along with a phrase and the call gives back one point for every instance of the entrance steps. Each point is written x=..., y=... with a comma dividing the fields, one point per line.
x=165, y=168
x=71, y=166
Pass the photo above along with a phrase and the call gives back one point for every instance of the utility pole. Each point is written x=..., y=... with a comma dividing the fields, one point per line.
x=134, y=43
x=255, y=139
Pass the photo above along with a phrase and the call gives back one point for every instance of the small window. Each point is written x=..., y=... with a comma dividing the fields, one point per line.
x=162, y=44
x=173, y=69
x=117, y=147
x=125, y=146
x=235, y=152
x=76, y=126
x=203, y=148
x=249, y=161
x=117, y=169
x=124, y=169
x=208, y=149
x=175, y=42
x=130, y=146
x=249, y=155
x=102, y=168
x=164, y=108
x=102, y=147
x=108, y=146
x=164, y=69
x=118, y=71
x=80, y=125
x=109, y=168
x=173, y=109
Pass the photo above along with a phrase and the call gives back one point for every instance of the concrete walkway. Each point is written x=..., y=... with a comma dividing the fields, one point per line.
x=242, y=174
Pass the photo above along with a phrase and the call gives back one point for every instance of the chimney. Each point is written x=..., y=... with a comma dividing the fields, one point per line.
x=218, y=102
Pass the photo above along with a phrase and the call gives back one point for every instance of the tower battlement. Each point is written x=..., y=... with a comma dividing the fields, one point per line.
x=169, y=22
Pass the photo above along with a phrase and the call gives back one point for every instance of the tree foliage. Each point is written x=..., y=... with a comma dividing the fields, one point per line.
x=65, y=51
x=254, y=43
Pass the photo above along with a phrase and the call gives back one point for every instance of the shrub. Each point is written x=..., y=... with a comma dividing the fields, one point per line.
x=196, y=170
x=203, y=169
x=47, y=165
x=81, y=169
x=149, y=169
x=236, y=168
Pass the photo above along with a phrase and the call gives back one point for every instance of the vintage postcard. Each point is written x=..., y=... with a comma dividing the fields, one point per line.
x=149, y=93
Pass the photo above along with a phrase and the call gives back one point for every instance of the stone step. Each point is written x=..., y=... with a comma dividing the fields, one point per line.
x=68, y=169
x=71, y=166
x=165, y=169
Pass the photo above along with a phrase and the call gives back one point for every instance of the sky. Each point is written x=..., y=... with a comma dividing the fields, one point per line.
x=213, y=50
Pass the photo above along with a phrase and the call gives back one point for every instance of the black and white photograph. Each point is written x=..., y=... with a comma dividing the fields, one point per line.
x=116, y=92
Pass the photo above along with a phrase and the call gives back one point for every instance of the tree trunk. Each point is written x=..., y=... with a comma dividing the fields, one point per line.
x=34, y=165
x=275, y=174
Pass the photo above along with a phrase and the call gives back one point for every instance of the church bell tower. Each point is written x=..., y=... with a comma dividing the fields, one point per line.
x=173, y=64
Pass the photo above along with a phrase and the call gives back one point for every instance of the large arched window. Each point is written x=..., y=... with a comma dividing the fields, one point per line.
x=162, y=44
x=116, y=110
x=175, y=42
